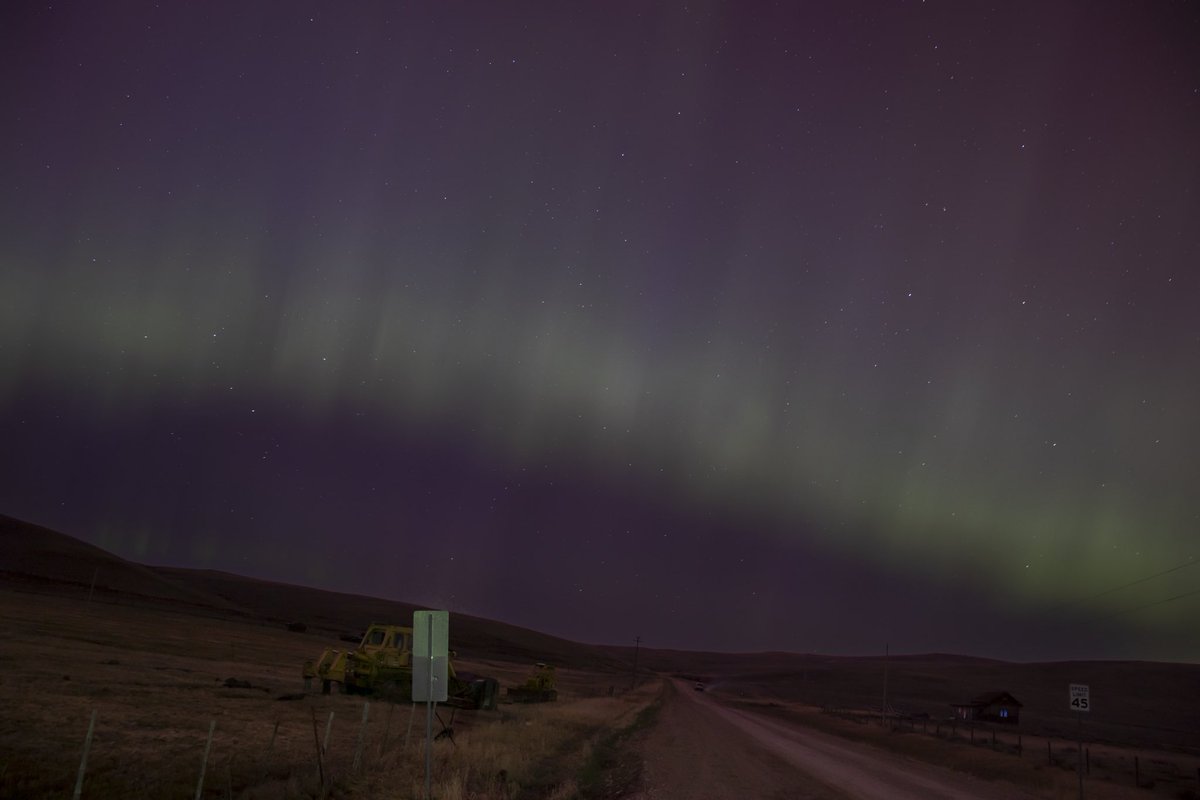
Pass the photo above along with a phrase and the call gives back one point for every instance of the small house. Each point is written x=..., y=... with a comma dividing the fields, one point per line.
x=990, y=707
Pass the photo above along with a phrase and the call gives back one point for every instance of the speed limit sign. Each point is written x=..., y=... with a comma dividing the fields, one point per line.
x=1079, y=697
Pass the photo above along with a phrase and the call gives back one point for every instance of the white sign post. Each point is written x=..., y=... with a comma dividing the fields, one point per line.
x=1080, y=697
x=430, y=659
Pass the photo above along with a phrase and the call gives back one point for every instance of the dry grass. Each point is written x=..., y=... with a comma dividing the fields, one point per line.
x=156, y=680
x=1135, y=704
x=527, y=751
x=151, y=655
x=1111, y=768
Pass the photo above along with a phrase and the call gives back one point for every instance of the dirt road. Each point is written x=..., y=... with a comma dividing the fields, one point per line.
x=703, y=750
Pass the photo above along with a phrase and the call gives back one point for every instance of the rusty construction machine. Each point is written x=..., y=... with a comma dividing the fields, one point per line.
x=382, y=665
x=541, y=687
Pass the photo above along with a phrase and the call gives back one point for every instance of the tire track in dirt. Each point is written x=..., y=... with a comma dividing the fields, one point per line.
x=696, y=754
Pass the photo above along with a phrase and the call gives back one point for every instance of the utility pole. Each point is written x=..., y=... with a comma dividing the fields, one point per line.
x=1079, y=769
x=637, y=642
x=883, y=708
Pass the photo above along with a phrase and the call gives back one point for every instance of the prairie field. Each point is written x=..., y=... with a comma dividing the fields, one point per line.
x=160, y=657
x=1043, y=765
x=157, y=680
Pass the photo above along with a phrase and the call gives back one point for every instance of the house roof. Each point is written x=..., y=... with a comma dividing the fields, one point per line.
x=991, y=698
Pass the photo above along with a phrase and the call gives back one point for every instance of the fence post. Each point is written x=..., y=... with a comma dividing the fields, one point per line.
x=328, y=728
x=362, y=733
x=204, y=764
x=412, y=711
x=274, y=733
x=87, y=745
x=387, y=730
x=320, y=754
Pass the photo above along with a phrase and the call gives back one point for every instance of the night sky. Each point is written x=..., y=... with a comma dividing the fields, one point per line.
x=742, y=325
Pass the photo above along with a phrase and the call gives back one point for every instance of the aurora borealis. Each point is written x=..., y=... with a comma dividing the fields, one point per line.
x=728, y=325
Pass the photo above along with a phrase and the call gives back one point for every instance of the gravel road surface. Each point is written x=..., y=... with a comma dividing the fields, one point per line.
x=703, y=750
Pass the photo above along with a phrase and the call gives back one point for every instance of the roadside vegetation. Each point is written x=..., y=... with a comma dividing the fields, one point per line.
x=549, y=751
x=158, y=680
x=1025, y=761
x=614, y=765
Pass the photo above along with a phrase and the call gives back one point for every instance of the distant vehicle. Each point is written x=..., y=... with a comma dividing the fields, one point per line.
x=699, y=687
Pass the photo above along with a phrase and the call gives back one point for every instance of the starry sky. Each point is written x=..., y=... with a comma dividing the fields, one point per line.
x=729, y=325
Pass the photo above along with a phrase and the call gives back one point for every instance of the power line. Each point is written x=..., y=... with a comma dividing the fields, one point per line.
x=1191, y=563
x=1151, y=605
x=1132, y=609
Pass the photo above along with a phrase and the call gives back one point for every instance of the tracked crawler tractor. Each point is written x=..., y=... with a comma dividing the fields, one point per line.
x=382, y=665
x=540, y=688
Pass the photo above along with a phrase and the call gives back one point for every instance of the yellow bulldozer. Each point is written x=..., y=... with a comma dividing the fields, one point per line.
x=382, y=665
x=541, y=687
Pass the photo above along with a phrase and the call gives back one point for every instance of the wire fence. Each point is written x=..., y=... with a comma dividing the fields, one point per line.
x=1177, y=774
